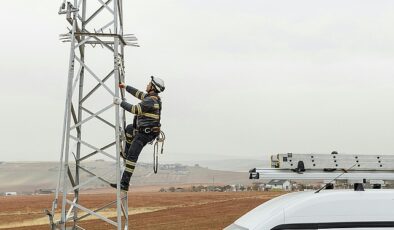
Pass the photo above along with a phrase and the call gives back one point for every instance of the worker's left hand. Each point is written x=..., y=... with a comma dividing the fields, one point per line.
x=117, y=100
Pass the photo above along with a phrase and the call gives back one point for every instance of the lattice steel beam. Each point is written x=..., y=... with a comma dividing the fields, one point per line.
x=106, y=31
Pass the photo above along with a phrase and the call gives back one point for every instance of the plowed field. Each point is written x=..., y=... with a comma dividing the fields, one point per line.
x=147, y=210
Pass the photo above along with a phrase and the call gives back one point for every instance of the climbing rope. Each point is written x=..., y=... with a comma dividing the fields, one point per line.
x=159, y=139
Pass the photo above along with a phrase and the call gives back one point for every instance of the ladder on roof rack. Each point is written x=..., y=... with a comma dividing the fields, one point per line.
x=326, y=167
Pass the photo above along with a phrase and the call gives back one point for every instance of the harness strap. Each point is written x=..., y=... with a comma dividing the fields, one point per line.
x=148, y=130
x=161, y=138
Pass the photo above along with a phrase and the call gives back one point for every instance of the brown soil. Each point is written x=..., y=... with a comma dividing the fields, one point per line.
x=147, y=210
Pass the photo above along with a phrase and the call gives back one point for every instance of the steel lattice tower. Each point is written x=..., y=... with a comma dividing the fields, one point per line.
x=96, y=56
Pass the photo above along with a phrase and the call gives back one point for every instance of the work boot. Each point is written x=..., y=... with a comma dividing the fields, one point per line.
x=123, y=188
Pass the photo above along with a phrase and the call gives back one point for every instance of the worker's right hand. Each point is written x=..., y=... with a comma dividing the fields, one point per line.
x=122, y=85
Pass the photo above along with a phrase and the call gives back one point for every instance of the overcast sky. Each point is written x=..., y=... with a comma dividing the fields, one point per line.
x=244, y=79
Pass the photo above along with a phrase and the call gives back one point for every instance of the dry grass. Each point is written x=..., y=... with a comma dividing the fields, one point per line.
x=147, y=210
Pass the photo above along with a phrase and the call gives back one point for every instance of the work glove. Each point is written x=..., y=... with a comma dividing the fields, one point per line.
x=122, y=85
x=117, y=100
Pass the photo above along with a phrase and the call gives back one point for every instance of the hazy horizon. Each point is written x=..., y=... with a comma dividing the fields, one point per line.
x=244, y=79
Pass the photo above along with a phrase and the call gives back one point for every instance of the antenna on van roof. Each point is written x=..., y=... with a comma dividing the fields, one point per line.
x=329, y=183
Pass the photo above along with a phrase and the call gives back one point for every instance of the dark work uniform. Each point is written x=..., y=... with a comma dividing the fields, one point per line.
x=144, y=129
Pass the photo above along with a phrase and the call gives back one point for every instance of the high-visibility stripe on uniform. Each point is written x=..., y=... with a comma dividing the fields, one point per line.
x=151, y=115
x=139, y=109
x=156, y=106
x=136, y=109
x=129, y=170
x=130, y=163
x=140, y=95
x=130, y=166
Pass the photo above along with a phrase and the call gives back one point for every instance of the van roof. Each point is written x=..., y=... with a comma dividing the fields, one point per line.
x=325, y=206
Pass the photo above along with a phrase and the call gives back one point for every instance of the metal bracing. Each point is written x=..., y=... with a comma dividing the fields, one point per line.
x=93, y=22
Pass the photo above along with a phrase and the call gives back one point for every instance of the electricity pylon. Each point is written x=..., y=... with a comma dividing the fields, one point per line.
x=96, y=56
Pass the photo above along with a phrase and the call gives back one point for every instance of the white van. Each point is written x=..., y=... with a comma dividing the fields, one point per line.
x=328, y=209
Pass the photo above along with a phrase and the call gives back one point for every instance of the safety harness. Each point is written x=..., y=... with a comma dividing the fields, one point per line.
x=155, y=142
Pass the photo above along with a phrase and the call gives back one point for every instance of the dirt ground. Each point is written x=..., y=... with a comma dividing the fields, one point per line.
x=147, y=210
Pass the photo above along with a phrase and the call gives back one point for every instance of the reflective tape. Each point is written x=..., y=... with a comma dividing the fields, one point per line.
x=151, y=115
x=139, y=109
x=130, y=163
x=129, y=170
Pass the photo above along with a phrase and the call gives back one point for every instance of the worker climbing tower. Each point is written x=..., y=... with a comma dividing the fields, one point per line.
x=92, y=137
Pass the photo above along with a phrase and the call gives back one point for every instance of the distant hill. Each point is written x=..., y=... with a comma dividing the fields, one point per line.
x=30, y=176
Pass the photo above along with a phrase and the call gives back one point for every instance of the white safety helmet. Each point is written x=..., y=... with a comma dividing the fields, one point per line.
x=158, y=83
